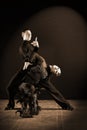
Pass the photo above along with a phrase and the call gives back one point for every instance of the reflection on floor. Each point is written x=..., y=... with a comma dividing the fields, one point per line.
x=51, y=117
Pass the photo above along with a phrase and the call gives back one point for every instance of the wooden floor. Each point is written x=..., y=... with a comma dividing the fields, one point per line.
x=51, y=117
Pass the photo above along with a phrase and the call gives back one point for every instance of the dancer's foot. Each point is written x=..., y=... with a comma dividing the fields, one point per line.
x=9, y=106
x=68, y=108
x=39, y=108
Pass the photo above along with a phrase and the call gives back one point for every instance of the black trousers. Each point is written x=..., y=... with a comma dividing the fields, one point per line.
x=56, y=95
x=19, y=77
x=13, y=85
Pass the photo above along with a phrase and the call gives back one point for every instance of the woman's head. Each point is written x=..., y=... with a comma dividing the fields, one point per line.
x=55, y=69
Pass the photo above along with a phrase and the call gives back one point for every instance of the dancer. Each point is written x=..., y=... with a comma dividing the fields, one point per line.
x=38, y=63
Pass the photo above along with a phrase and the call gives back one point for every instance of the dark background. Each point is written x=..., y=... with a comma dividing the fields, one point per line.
x=61, y=28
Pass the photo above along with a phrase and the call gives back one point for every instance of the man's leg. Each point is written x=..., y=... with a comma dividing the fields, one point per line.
x=57, y=96
x=13, y=88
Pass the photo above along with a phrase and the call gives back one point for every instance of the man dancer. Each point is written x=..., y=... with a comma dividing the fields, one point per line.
x=35, y=59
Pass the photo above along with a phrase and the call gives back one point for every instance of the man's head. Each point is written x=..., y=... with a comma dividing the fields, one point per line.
x=26, y=35
x=55, y=69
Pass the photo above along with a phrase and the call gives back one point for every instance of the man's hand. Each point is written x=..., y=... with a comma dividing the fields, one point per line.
x=35, y=43
x=26, y=64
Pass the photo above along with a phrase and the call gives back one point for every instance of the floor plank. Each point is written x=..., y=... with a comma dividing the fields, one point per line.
x=51, y=117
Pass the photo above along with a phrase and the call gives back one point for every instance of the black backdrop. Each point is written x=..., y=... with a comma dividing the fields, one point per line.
x=61, y=28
